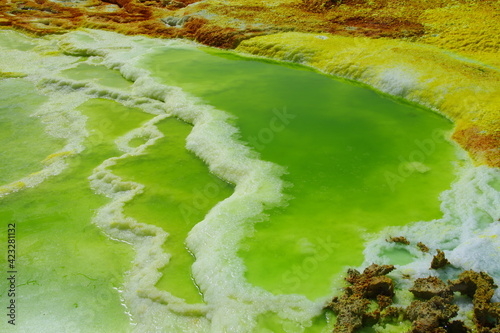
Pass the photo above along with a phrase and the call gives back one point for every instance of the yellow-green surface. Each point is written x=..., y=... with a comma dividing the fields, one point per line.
x=244, y=217
x=459, y=88
x=356, y=161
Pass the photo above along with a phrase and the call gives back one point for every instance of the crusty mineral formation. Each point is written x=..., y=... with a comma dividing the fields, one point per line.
x=352, y=307
x=399, y=240
x=431, y=316
x=480, y=287
x=427, y=288
x=425, y=21
x=422, y=247
x=439, y=260
x=432, y=311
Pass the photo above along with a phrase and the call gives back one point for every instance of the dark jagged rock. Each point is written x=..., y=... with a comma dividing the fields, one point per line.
x=457, y=326
x=439, y=260
x=379, y=285
x=391, y=312
x=429, y=287
x=474, y=285
x=399, y=240
x=423, y=247
x=372, y=282
x=352, y=308
x=432, y=315
x=480, y=287
x=384, y=301
x=377, y=270
x=350, y=312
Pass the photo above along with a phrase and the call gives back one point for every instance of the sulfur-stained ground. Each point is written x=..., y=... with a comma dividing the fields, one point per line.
x=468, y=28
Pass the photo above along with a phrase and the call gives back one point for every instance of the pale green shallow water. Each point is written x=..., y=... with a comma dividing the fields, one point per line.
x=68, y=270
x=174, y=180
x=348, y=152
x=18, y=99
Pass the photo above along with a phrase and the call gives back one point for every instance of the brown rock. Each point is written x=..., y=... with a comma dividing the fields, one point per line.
x=352, y=307
x=422, y=247
x=378, y=285
x=480, y=287
x=475, y=285
x=350, y=311
x=391, y=312
x=457, y=326
x=439, y=260
x=429, y=287
x=352, y=276
x=399, y=240
x=432, y=315
x=377, y=270
x=384, y=301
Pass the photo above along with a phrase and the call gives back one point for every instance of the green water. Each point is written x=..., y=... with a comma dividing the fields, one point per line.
x=347, y=151
x=179, y=192
x=356, y=162
x=19, y=131
x=98, y=74
x=12, y=40
x=68, y=269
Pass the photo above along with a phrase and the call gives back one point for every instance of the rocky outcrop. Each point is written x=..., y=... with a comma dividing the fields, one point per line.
x=352, y=308
x=427, y=288
x=439, y=260
x=480, y=287
x=431, y=316
x=368, y=299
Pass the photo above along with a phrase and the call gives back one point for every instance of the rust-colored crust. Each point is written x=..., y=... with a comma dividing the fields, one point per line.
x=234, y=20
x=484, y=145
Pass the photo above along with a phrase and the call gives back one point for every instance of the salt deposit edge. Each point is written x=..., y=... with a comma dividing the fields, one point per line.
x=467, y=92
x=233, y=304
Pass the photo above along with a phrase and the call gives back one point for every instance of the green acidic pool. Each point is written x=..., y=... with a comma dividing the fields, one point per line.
x=128, y=230
x=68, y=270
x=178, y=194
x=356, y=161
